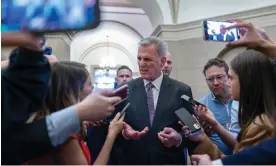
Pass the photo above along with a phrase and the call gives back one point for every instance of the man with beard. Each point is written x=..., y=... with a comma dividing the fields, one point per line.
x=219, y=102
x=167, y=68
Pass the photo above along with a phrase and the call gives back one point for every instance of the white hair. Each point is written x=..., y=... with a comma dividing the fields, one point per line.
x=162, y=47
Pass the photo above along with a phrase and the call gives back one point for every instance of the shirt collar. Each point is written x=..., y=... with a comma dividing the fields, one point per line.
x=157, y=82
x=216, y=99
x=213, y=96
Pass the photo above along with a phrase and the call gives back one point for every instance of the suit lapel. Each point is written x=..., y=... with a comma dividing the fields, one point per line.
x=139, y=97
x=164, y=95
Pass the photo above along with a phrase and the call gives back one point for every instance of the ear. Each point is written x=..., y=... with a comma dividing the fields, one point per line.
x=163, y=60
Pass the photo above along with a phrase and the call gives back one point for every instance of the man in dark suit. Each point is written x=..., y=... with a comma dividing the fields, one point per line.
x=152, y=133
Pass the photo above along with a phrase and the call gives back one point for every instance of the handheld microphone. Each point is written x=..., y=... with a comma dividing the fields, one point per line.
x=192, y=101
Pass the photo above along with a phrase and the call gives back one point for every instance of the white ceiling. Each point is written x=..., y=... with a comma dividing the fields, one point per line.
x=159, y=11
x=192, y=10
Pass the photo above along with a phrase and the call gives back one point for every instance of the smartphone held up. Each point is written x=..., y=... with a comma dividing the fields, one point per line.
x=44, y=16
x=188, y=120
x=121, y=92
x=215, y=31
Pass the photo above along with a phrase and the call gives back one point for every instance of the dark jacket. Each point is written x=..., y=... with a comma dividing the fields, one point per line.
x=263, y=154
x=24, y=86
x=149, y=149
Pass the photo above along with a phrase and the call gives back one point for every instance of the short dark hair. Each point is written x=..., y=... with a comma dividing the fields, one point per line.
x=216, y=62
x=124, y=67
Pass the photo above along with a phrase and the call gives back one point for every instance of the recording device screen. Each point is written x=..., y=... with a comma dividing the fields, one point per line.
x=214, y=31
x=48, y=15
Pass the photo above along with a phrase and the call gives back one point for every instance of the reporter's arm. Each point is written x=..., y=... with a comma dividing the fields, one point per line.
x=62, y=124
x=225, y=135
x=72, y=154
x=24, y=85
x=206, y=146
x=104, y=155
x=29, y=72
x=20, y=39
x=268, y=48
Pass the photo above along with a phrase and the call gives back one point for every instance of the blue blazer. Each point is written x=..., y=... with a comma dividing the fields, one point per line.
x=263, y=154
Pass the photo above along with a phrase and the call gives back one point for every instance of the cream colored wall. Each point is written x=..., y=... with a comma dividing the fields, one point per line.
x=59, y=43
x=191, y=10
x=90, y=46
x=60, y=48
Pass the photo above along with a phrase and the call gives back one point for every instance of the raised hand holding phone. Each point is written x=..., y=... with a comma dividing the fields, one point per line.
x=121, y=92
x=116, y=125
x=206, y=115
x=191, y=100
x=188, y=120
x=206, y=126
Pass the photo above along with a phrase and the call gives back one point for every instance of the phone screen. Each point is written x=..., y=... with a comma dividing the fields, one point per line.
x=214, y=31
x=48, y=15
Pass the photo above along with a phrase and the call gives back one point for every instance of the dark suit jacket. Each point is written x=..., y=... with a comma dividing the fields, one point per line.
x=263, y=154
x=24, y=85
x=149, y=149
x=231, y=37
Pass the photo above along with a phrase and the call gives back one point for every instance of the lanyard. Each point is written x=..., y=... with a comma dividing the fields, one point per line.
x=229, y=113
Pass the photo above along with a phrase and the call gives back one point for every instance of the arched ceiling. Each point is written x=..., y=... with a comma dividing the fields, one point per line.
x=152, y=8
x=92, y=44
x=145, y=15
x=181, y=11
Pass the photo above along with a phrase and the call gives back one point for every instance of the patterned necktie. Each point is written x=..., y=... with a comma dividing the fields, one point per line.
x=150, y=101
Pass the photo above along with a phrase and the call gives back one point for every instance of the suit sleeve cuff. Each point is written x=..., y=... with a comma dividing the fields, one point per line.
x=217, y=162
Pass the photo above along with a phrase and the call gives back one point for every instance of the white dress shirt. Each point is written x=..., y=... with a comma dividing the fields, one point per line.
x=156, y=90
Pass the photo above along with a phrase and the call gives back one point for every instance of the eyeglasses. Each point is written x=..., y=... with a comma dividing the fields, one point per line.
x=219, y=78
